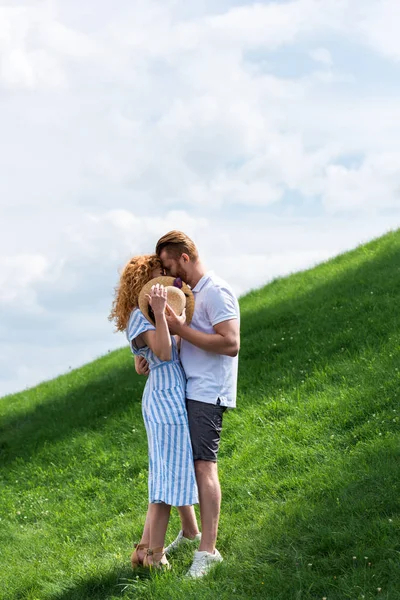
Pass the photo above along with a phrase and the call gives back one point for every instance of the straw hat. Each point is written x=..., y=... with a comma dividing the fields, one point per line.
x=179, y=296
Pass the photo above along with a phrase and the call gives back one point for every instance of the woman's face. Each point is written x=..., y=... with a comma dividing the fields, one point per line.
x=157, y=272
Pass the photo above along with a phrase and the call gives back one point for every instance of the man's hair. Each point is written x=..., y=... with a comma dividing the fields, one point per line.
x=177, y=243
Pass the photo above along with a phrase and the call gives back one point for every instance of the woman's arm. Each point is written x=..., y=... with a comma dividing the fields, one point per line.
x=159, y=341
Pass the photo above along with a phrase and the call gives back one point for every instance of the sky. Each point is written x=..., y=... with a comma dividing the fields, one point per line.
x=267, y=131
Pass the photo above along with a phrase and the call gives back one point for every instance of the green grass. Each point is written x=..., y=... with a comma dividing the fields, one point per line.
x=309, y=462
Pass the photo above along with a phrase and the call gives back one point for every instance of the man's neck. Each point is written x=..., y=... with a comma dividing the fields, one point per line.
x=198, y=272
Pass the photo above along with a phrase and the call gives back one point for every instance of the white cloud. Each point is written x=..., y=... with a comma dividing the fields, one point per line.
x=18, y=276
x=120, y=122
x=323, y=56
x=269, y=25
x=84, y=258
x=24, y=62
x=379, y=25
x=374, y=185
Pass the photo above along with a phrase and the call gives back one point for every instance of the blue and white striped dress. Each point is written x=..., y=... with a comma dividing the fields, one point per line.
x=171, y=468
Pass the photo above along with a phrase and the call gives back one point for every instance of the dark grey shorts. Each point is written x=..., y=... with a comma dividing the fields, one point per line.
x=205, y=424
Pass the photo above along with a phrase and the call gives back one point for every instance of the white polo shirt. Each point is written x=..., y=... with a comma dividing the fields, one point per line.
x=211, y=376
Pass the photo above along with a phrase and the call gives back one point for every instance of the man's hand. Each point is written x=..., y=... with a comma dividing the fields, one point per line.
x=175, y=323
x=141, y=365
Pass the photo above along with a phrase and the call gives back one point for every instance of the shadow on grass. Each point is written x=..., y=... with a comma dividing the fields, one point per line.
x=82, y=408
x=106, y=585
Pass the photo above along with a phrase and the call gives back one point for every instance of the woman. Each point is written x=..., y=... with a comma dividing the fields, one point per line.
x=171, y=470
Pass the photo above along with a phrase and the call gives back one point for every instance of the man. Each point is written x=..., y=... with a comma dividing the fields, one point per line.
x=209, y=355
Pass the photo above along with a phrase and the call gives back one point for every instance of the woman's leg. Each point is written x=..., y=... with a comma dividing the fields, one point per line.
x=158, y=514
x=145, y=539
x=189, y=527
x=189, y=522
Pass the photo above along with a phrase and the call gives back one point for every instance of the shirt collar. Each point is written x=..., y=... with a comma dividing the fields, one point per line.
x=201, y=283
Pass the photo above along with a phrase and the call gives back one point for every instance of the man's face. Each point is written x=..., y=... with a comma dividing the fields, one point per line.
x=172, y=266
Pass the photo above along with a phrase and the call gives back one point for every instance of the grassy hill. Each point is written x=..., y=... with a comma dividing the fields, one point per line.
x=309, y=461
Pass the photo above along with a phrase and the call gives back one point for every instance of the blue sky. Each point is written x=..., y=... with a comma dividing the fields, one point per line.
x=269, y=131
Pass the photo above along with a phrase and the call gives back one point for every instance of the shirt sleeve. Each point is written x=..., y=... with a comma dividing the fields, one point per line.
x=137, y=325
x=221, y=305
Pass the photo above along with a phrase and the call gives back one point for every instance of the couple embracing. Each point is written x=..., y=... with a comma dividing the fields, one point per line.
x=182, y=324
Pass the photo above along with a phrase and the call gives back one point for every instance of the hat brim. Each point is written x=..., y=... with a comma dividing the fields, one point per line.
x=165, y=281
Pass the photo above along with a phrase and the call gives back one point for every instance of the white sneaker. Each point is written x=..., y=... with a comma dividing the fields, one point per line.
x=181, y=541
x=203, y=562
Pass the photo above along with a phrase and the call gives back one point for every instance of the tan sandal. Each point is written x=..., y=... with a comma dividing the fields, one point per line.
x=156, y=564
x=135, y=560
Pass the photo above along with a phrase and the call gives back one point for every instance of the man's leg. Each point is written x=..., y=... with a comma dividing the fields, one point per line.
x=189, y=532
x=189, y=522
x=205, y=424
x=210, y=503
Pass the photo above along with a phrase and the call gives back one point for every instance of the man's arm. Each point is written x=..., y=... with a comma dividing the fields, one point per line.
x=225, y=340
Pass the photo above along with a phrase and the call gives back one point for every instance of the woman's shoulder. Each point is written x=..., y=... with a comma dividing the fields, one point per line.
x=137, y=316
x=135, y=313
x=137, y=324
x=133, y=317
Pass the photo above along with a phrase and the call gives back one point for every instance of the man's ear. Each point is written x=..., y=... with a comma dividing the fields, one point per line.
x=186, y=257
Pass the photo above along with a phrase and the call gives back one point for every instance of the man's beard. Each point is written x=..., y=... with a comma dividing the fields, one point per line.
x=181, y=273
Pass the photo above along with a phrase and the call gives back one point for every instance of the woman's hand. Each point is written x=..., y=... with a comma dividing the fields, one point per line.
x=158, y=299
x=159, y=341
x=141, y=365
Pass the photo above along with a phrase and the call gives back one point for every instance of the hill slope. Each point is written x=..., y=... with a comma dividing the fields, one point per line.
x=309, y=461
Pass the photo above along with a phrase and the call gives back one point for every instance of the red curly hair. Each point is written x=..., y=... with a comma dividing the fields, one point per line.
x=135, y=274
